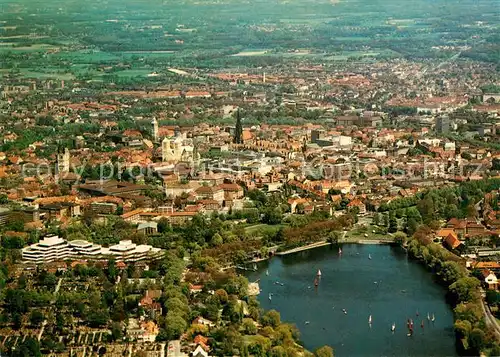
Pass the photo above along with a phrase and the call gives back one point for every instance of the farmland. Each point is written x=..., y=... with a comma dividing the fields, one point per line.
x=82, y=39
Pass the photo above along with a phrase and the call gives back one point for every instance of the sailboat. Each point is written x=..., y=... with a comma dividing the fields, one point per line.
x=270, y=296
x=369, y=256
x=267, y=272
x=393, y=327
x=344, y=311
x=428, y=317
x=433, y=318
x=340, y=251
x=319, y=273
x=370, y=319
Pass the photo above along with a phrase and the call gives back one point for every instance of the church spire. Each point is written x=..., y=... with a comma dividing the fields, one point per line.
x=238, y=131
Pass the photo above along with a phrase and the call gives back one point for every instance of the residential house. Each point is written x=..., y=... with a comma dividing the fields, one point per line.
x=144, y=331
x=179, y=218
x=445, y=232
x=202, y=321
x=210, y=193
x=474, y=228
x=458, y=225
x=490, y=279
x=232, y=191
x=356, y=203
x=148, y=302
x=452, y=241
x=200, y=352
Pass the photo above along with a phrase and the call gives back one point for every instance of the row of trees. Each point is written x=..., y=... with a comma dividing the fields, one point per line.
x=463, y=292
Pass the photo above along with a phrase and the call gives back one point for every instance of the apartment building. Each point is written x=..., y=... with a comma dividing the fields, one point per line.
x=47, y=250
x=129, y=252
x=54, y=248
x=83, y=249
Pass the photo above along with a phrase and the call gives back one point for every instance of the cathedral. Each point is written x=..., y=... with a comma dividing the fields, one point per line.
x=63, y=164
x=173, y=150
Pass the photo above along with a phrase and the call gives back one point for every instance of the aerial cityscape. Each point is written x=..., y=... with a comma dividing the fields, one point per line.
x=264, y=178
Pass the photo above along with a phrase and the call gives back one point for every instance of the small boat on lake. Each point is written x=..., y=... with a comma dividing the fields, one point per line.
x=433, y=318
x=344, y=311
x=422, y=324
x=270, y=297
x=393, y=327
x=316, y=282
x=340, y=251
x=370, y=319
x=319, y=273
x=428, y=317
x=267, y=272
x=369, y=256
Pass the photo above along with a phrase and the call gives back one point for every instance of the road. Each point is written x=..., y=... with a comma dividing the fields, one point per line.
x=489, y=318
x=174, y=349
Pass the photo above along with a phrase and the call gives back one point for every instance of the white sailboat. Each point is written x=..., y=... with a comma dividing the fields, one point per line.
x=433, y=318
x=270, y=297
x=370, y=319
x=267, y=272
x=393, y=327
x=428, y=317
x=319, y=273
x=369, y=256
x=340, y=251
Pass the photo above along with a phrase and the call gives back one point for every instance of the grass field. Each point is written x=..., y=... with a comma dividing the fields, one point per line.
x=260, y=230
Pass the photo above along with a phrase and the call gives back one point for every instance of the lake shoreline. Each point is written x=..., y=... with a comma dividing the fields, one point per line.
x=325, y=243
x=289, y=281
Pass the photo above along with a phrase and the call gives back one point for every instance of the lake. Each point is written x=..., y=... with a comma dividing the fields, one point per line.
x=388, y=286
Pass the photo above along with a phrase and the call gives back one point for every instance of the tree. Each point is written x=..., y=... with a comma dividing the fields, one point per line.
x=400, y=238
x=249, y=327
x=493, y=297
x=177, y=306
x=278, y=351
x=116, y=331
x=325, y=351
x=271, y=318
x=477, y=339
x=463, y=328
x=217, y=240
x=386, y=220
x=451, y=272
x=175, y=325
x=393, y=224
x=465, y=289
x=259, y=346
x=28, y=348
x=97, y=318
x=163, y=225
x=36, y=318
x=334, y=237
